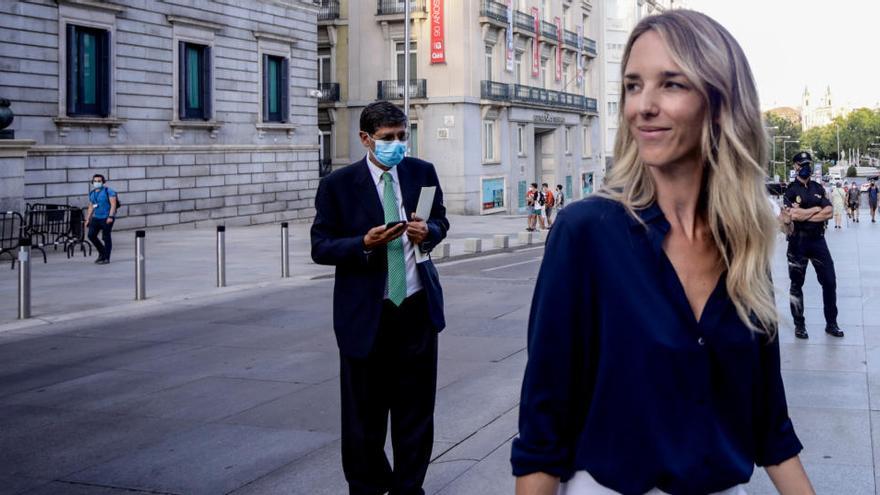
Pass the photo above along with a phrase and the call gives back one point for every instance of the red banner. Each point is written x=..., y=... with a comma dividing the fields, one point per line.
x=438, y=38
x=559, y=37
x=536, y=45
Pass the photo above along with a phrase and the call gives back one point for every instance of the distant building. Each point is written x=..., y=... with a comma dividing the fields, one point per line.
x=198, y=112
x=790, y=114
x=497, y=102
x=818, y=112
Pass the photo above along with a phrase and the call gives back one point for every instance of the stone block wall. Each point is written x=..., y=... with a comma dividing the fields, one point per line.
x=199, y=187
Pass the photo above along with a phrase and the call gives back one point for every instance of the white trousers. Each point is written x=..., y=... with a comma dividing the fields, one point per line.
x=583, y=484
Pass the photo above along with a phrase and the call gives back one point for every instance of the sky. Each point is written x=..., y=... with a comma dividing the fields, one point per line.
x=791, y=44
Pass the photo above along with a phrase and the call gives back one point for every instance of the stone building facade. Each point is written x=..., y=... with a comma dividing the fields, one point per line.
x=510, y=100
x=198, y=112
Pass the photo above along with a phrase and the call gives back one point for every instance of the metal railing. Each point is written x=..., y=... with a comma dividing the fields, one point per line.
x=393, y=90
x=548, y=30
x=590, y=46
x=518, y=93
x=328, y=10
x=391, y=7
x=493, y=10
x=524, y=21
x=329, y=92
x=571, y=38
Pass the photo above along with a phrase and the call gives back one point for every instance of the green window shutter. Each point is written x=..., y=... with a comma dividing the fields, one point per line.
x=285, y=90
x=72, y=61
x=193, y=93
x=104, y=74
x=207, y=112
x=266, y=88
x=89, y=76
x=181, y=80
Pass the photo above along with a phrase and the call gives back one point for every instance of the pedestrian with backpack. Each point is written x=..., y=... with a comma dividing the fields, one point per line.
x=103, y=203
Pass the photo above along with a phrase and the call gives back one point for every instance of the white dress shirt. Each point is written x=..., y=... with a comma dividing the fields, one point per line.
x=584, y=484
x=413, y=284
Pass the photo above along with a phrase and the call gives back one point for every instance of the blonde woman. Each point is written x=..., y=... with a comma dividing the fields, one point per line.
x=838, y=198
x=656, y=370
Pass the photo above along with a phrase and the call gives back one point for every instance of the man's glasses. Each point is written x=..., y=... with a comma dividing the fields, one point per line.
x=400, y=136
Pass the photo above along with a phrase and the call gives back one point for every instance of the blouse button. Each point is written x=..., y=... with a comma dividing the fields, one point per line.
x=701, y=341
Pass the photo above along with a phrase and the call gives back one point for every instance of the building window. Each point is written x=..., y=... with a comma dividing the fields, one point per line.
x=517, y=66
x=489, y=62
x=585, y=144
x=565, y=77
x=413, y=140
x=567, y=139
x=275, y=89
x=488, y=141
x=544, y=73
x=521, y=140
x=612, y=108
x=399, y=53
x=324, y=68
x=195, y=81
x=88, y=71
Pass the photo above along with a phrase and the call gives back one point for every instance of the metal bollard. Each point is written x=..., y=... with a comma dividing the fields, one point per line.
x=24, y=279
x=285, y=251
x=221, y=256
x=140, y=262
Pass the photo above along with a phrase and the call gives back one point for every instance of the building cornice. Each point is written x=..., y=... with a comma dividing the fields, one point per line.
x=263, y=35
x=199, y=23
x=94, y=4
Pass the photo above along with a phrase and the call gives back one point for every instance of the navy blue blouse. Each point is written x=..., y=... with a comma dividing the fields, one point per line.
x=622, y=380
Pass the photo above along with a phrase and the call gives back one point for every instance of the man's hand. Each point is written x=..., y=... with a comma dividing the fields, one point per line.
x=785, y=215
x=380, y=236
x=416, y=230
x=109, y=220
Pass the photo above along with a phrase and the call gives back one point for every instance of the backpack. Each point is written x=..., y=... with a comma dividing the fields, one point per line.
x=542, y=200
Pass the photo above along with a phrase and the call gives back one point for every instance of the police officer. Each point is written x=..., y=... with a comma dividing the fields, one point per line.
x=808, y=208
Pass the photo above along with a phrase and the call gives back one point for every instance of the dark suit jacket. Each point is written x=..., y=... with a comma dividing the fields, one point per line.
x=347, y=207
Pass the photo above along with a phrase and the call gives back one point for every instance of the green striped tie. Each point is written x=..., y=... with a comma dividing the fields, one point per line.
x=396, y=261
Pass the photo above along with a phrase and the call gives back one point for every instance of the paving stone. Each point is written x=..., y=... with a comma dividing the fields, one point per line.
x=51, y=443
x=798, y=356
x=19, y=377
x=312, y=408
x=14, y=485
x=833, y=436
x=318, y=473
x=492, y=475
x=826, y=389
x=206, y=399
x=212, y=459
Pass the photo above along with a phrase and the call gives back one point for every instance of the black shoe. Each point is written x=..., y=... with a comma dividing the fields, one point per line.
x=103, y=262
x=99, y=261
x=801, y=333
x=834, y=331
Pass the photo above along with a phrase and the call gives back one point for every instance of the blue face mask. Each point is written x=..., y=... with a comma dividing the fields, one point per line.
x=389, y=153
x=805, y=171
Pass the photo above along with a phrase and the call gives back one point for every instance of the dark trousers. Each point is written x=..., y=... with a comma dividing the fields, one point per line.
x=801, y=249
x=100, y=225
x=399, y=377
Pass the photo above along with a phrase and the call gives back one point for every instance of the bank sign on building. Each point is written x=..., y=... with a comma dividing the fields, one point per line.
x=197, y=111
x=503, y=93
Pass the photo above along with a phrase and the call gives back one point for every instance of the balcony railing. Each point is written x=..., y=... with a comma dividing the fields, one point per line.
x=590, y=47
x=393, y=90
x=493, y=10
x=571, y=38
x=328, y=10
x=329, y=92
x=524, y=21
x=517, y=93
x=548, y=30
x=391, y=7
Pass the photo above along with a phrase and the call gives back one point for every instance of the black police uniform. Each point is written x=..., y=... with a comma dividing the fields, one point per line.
x=807, y=243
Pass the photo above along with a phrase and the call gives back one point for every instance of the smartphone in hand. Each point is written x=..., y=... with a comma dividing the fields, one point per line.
x=391, y=225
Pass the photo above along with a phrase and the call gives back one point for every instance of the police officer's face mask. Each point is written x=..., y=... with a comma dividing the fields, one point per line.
x=805, y=171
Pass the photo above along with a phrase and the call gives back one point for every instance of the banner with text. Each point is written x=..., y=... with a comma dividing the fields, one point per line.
x=580, y=56
x=536, y=45
x=559, y=37
x=438, y=38
x=510, y=52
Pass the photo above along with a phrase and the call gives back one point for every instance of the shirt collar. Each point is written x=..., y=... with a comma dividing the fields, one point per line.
x=377, y=172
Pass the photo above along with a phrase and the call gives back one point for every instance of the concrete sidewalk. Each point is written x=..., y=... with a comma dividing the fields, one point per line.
x=182, y=263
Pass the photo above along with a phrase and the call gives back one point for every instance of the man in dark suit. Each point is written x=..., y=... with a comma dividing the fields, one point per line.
x=387, y=307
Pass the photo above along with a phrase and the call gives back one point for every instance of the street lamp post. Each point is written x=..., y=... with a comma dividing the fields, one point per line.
x=774, y=147
x=770, y=172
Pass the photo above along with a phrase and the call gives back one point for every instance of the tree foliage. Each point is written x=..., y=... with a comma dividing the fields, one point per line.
x=857, y=130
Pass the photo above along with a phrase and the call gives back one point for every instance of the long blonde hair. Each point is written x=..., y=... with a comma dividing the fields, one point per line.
x=733, y=146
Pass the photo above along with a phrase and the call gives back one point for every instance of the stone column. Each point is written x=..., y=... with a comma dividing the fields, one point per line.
x=12, y=156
